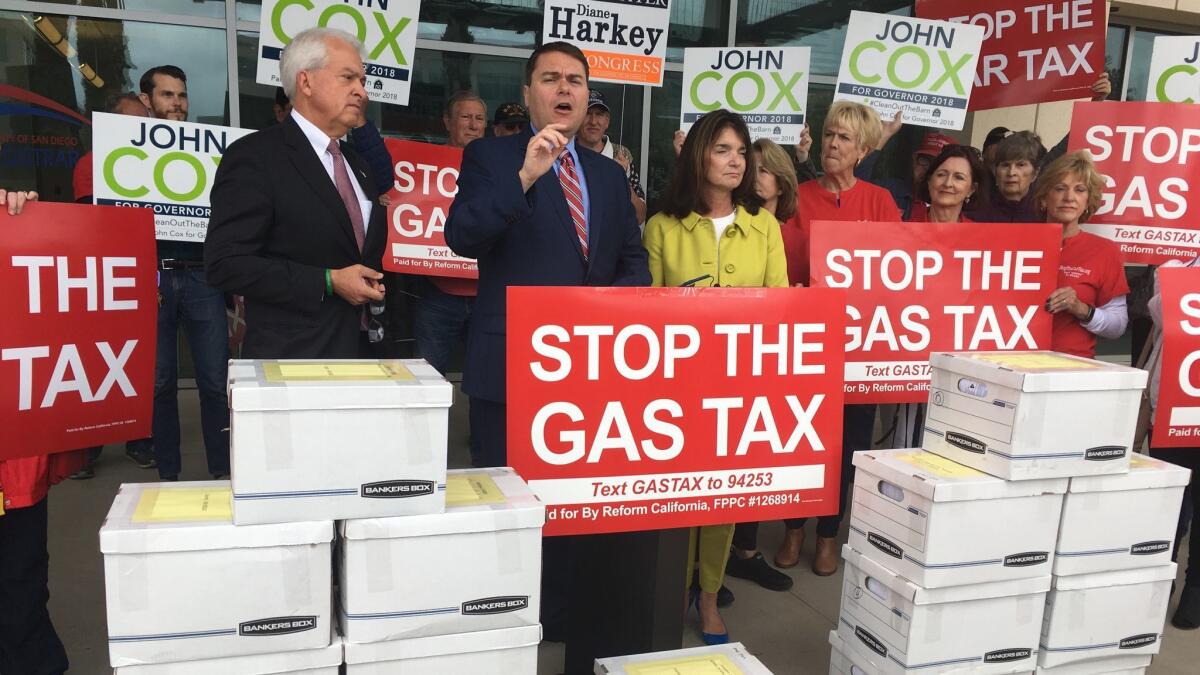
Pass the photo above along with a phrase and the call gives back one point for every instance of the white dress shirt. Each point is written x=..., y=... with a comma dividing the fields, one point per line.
x=320, y=144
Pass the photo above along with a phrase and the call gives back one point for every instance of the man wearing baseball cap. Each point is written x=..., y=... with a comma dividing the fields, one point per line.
x=594, y=136
x=510, y=119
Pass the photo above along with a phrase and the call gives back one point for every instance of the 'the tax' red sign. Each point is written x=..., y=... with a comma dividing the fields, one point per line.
x=645, y=408
x=1150, y=206
x=1177, y=418
x=77, y=341
x=426, y=182
x=916, y=288
x=1033, y=52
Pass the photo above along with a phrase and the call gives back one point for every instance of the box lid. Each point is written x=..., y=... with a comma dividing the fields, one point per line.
x=1145, y=473
x=1038, y=371
x=192, y=516
x=727, y=658
x=333, y=385
x=942, y=480
x=441, y=645
x=254, y=664
x=477, y=500
x=1141, y=575
x=933, y=596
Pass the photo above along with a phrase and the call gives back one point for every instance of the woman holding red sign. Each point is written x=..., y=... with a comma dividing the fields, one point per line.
x=1090, y=300
x=954, y=178
x=851, y=131
x=28, y=641
x=713, y=231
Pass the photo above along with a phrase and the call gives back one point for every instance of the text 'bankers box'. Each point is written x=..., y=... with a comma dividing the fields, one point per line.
x=939, y=523
x=1027, y=415
x=183, y=583
x=475, y=567
x=334, y=440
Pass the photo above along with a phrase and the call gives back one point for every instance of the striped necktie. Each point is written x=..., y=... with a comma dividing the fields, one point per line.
x=574, y=196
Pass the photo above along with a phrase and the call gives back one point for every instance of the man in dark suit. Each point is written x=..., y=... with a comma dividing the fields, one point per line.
x=537, y=209
x=296, y=224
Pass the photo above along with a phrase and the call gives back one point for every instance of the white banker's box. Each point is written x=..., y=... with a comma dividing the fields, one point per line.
x=727, y=658
x=183, y=583
x=1121, y=522
x=939, y=523
x=1023, y=415
x=510, y=651
x=1133, y=664
x=324, y=661
x=475, y=567
x=330, y=440
x=989, y=627
x=1093, y=616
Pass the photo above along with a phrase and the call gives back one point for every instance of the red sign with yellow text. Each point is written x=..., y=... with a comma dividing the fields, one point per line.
x=426, y=180
x=916, y=288
x=1149, y=154
x=78, y=338
x=1033, y=52
x=645, y=408
x=1177, y=417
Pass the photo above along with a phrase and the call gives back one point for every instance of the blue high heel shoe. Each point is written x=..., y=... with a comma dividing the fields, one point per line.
x=708, y=638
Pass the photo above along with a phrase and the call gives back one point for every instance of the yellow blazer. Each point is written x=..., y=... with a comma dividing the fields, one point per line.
x=750, y=255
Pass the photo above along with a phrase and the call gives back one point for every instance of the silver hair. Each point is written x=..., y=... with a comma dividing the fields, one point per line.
x=309, y=51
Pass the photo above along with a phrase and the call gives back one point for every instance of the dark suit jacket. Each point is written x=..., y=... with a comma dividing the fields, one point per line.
x=528, y=239
x=277, y=224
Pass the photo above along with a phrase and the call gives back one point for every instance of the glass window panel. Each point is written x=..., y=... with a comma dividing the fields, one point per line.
x=813, y=23
x=1139, y=65
x=209, y=8
x=57, y=69
x=1114, y=59
x=697, y=23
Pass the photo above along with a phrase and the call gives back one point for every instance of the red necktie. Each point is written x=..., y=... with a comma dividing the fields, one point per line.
x=341, y=178
x=574, y=195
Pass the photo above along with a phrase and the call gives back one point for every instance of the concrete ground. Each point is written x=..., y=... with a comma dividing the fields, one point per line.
x=787, y=631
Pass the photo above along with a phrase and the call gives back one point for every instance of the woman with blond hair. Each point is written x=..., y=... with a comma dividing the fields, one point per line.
x=850, y=132
x=713, y=231
x=1090, y=298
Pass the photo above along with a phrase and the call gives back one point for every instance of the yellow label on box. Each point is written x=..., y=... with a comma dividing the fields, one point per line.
x=1137, y=461
x=937, y=465
x=334, y=371
x=176, y=505
x=701, y=664
x=1036, y=361
x=472, y=489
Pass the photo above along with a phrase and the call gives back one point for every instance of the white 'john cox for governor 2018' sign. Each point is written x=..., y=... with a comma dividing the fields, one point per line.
x=925, y=68
x=768, y=86
x=1174, y=69
x=387, y=28
x=158, y=164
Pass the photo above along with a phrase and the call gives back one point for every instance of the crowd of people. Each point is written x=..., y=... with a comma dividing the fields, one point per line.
x=298, y=227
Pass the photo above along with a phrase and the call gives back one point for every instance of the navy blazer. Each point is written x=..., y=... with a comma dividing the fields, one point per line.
x=528, y=239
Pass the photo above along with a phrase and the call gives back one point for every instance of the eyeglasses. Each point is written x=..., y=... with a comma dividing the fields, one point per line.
x=375, y=327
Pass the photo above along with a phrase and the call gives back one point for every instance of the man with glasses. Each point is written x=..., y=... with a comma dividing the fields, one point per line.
x=296, y=227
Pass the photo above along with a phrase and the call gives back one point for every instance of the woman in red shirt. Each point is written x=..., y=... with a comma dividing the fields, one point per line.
x=1090, y=300
x=953, y=179
x=851, y=131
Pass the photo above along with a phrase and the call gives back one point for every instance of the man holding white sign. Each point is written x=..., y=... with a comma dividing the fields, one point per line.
x=186, y=301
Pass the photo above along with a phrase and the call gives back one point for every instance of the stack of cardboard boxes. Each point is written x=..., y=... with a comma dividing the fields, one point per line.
x=1025, y=537
x=340, y=500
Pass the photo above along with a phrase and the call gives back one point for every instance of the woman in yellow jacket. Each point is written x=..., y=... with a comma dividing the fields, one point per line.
x=713, y=232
